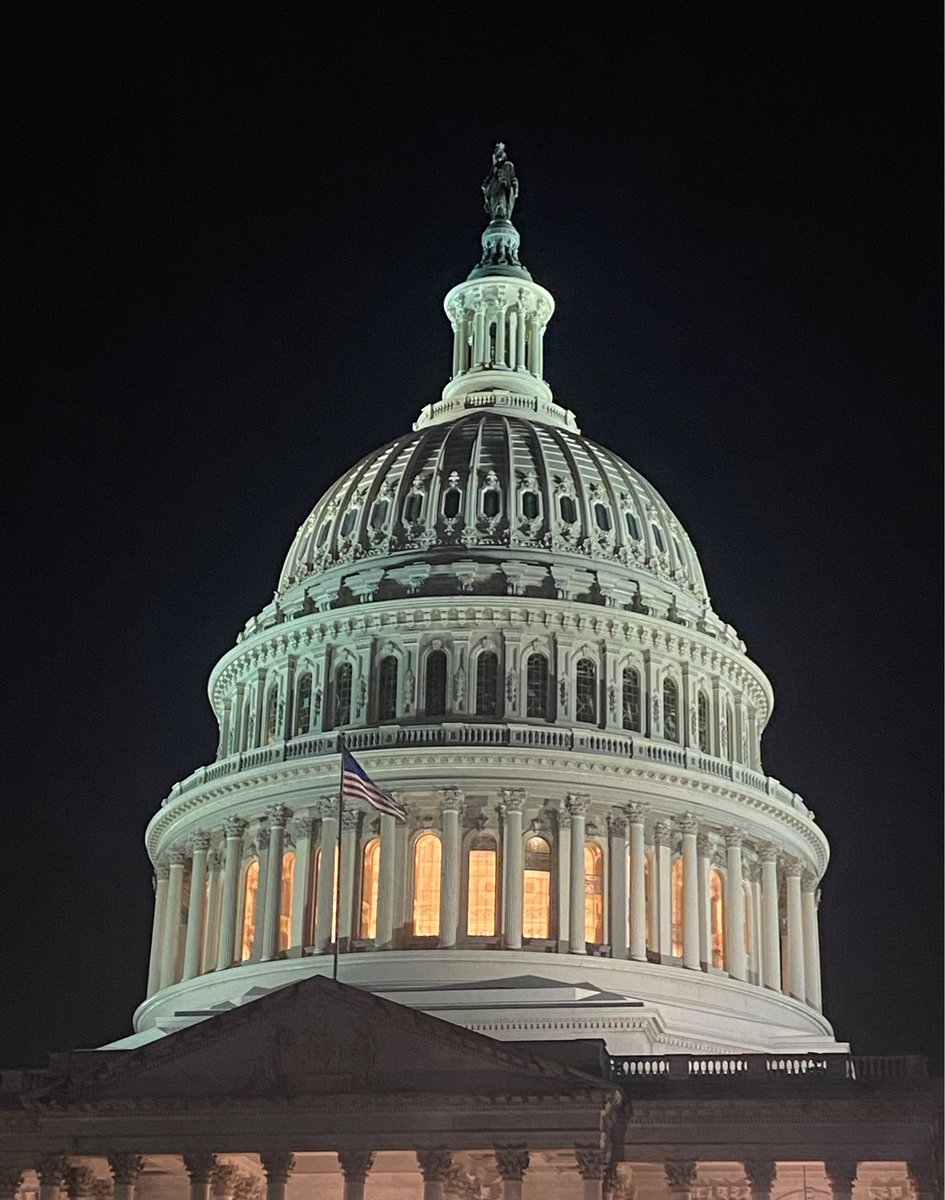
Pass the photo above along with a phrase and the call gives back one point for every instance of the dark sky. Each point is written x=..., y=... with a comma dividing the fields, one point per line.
x=224, y=279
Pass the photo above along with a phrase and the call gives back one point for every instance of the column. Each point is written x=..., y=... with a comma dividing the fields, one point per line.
x=500, y=319
x=262, y=853
x=664, y=905
x=457, y=343
x=512, y=1162
x=704, y=851
x=841, y=1174
x=617, y=828
x=922, y=1176
x=795, y=927
x=278, y=1165
x=177, y=857
x=233, y=829
x=199, y=1167
x=563, y=877
x=770, y=925
x=753, y=872
x=11, y=1180
x=811, y=940
x=385, y=883
x=591, y=1163
x=162, y=871
x=278, y=814
x=452, y=803
x=513, y=801
x=347, y=918
x=300, y=924
x=193, y=944
x=125, y=1170
x=435, y=1168
x=690, y=882
x=761, y=1174
x=578, y=804
x=355, y=1164
x=223, y=1179
x=51, y=1169
x=636, y=814
x=211, y=936
x=520, y=340
x=680, y=1177
x=735, y=902
x=79, y=1181
x=325, y=887
x=538, y=344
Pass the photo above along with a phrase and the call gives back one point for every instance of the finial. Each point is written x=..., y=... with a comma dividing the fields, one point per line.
x=500, y=186
x=500, y=239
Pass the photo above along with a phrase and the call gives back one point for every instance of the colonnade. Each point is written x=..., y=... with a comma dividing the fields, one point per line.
x=498, y=334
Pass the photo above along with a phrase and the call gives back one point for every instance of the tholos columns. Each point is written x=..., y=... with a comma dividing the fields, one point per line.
x=435, y=1168
x=200, y=1168
x=278, y=1165
x=197, y=905
x=636, y=814
x=452, y=803
x=51, y=1169
x=512, y=1162
x=355, y=1165
x=577, y=935
x=735, y=899
x=177, y=856
x=664, y=908
x=761, y=1173
x=233, y=829
x=771, y=926
x=125, y=1170
x=690, y=878
x=513, y=800
x=617, y=827
x=300, y=932
x=162, y=871
x=385, y=884
x=325, y=888
x=278, y=814
x=795, y=928
x=811, y=940
x=591, y=1163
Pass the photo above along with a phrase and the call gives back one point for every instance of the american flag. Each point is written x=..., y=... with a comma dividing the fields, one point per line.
x=357, y=785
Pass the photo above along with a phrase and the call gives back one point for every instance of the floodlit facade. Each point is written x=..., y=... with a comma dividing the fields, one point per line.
x=589, y=956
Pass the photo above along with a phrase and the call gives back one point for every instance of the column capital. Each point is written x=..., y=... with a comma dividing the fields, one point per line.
x=103, y=1189
x=704, y=845
x=922, y=1176
x=636, y=813
x=734, y=837
x=349, y=819
x=434, y=1164
x=223, y=1178
x=11, y=1180
x=842, y=1174
x=452, y=799
x=688, y=823
x=263, y=836
x=199, y=1166
x=761, y=1173
x=617, y=825
x=79, y=1180
x=278, y=814
x=235, y=827
x=304, y=825
x=791, y=866
x=769, y=854
x=512, y=1161
x=125, y=1166
x=278, y=1164
x=355, y=1164
x=162, y=868
x=808, y=881
x=663, y=833
x=680, y=1174
x=753, y=872
x=578, y=803
x=325, y=806
x=215, y=860
x=51, y=1169
x=513, y=799
x=591, y=1161
x=177, y=856
x=200, y=840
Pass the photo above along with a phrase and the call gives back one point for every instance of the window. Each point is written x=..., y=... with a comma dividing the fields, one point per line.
x=658, y=538
x=481, y=888
x=303, y=709
x=250, y=892
x=379, y=514
x=530, y=505
x=593, y=894
x=426, y=885
x=567, y=509
x=676, y=896
x=602, y=517
x=387, y=689
x=334, y=887
x=451, y=503
x=322, y=533
x=670, y=710
x=703, y=722
x=435, y=686
x=490, y=503
x=285, y=900
x=413, y=507
x=585, y=704
x=272, y=709
x=717, y=912
x=343, y=694
x=536, y=687
x=633, y=527
x=347, y=523
x=679, y=556
x=487, y=685
x=370, y=875
x=631, y=698
x=536, y=917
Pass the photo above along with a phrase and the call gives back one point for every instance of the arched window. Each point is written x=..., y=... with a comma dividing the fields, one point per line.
x=658, y=538
x=426, y=885
x=487, y=685
x=370, y=876
x=703, y=722
x=303, y=707
x=285, y=900
x=568, y=510
x=334, y=888
x=670, y=710
x=387, y=689
x=435, y=685
x=343, y=694
x=530, y=507
x=602, y=517
x=272, y=709
x=536, y=918
x=250, y=892
x=413, y=507
x=631, y=698
x=322, y=533
x=536, y=687
x=676, y=898
x=717, y=912
x=593, y=894
x=633, y=527
x=481, y=887
x=347, y=522
x=585, y=703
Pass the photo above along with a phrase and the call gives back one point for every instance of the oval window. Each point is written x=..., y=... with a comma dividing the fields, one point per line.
x=568, y=510
x=602, y=517
x=632, y=527
x=658, y=538
x=530, y=505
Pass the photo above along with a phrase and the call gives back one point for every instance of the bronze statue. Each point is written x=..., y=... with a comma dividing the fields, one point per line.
x=500, y=187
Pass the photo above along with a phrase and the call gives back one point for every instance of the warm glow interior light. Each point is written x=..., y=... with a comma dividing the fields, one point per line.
x=426, y=885
x=481, y=893
x=536, y=917
x=370, y=876
x=251, y=890
x=717, y=905
x=285, y=905
x=676, y=884
x=593, y=894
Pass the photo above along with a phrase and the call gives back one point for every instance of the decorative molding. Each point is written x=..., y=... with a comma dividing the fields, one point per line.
x=512, y=1162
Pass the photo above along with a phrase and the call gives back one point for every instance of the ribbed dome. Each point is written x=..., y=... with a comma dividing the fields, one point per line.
x=490, y=486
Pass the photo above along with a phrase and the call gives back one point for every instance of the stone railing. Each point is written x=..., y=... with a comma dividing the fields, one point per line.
x=641, y=1068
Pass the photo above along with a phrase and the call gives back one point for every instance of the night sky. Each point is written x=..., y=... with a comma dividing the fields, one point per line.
x=223, y=283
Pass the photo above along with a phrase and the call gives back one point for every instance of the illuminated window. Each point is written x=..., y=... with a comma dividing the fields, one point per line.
x=670, y=710
x=343, y=694
x=585, y=704
x=593, y=894
x=487, y=685
x=703, y=720
x=631, y=698
x=676, y=892
x=567, y=509
x=435, y=685
x=285, y=900
x=426, y=885
x=536, y=919
x=387, y=689
x=334, y=888
x=250, y=892
x=303, y=710
x=602, y=517
x=370, y=876
x=481, y=889
x=536, y=687
x=530, y=505
x=633, y=527
x=272, y=709
x=717, y=911
x=658, y=538
x=413, y=507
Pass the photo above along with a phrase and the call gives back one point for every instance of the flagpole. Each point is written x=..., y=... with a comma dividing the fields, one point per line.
x=341, y=801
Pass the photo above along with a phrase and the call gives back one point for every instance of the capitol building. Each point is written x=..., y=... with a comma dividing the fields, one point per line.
x=587, y=963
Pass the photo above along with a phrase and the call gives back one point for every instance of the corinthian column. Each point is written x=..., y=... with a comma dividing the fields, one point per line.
x=761, y=1174
x=162, y=871
x=704, y=853
x=325, y=888
x=690, y=882
x=513, y=802
x=811, y=940
x=664, y=875
x=347, y=921
x=384, y=934
x=125, y=1171
x=278, y=1165
x=355, y=1164
x=512, y=1162
x=197, y=906
x=212, y=923
x=51, y=1170
x=452, y=803
x=771, y=926
x=11, y=1180
x=636, y=814
x=795, y=927
x=233, y=829
x=278, y=814
x=735, y=899
x=841, y=1174
x=435, y=1168
x=199, y=1168
x=617, y=827
x=577, y=936
x=591, y=1163
x=300, y=933
x=177, y=856
x=680, y=1177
